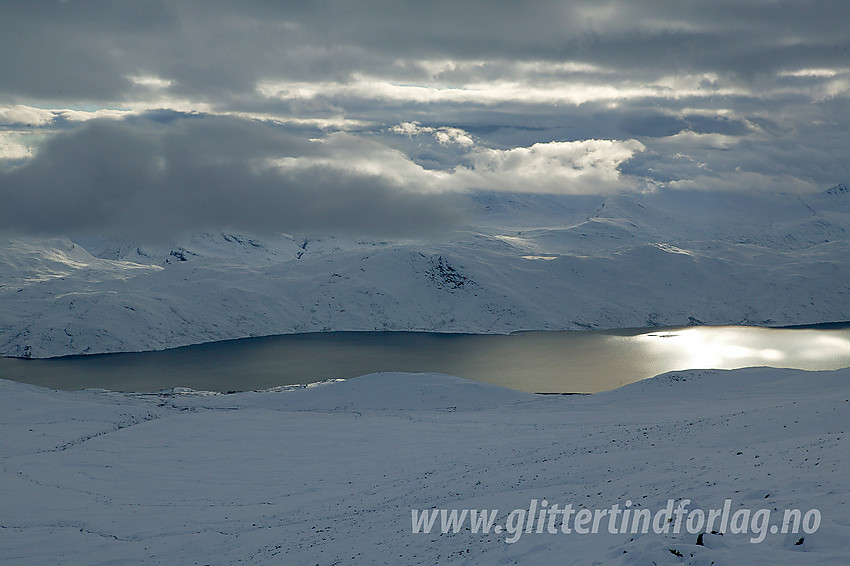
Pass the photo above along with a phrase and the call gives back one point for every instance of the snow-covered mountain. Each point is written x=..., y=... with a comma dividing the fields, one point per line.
x=527, y=262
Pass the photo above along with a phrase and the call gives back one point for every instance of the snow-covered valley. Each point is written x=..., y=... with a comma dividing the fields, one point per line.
x=541, y=262
x=329, y=474
x=407, y=283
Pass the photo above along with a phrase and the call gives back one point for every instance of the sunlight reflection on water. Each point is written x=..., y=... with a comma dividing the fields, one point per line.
x=535, y=361
x=733, y=347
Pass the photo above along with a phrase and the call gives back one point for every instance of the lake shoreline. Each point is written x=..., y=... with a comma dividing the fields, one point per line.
x=533, y=361
x=626, y=331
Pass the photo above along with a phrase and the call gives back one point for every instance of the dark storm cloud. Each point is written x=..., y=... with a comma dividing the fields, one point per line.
x=87, y=49
x=153, y=180
x=70, y=50
x=214, y=106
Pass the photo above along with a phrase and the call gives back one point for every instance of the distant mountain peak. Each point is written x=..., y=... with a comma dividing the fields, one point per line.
x=839, y=189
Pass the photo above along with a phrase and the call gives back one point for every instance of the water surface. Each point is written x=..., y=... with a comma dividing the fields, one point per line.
x=539, y=361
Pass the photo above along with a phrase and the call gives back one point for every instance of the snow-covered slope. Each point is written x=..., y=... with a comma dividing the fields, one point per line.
x=529, y=262
x=328, y=474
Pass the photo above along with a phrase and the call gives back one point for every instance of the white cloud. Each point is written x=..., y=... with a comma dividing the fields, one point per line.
x=586, y=166
x=410, y=129
x=690, y=139
x=354, y=155
x=744, y=181
x=812, y=73
x=444, y=135
x=25, y=116
x=11, y=146
x=681, y=85
x=510, y=87
x=152, y=82
x=86, y=115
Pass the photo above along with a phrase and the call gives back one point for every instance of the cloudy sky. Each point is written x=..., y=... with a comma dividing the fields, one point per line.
x=142, y=118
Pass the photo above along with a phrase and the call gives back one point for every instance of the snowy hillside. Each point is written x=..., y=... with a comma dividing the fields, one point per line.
x=329, y=474
x=528, y=262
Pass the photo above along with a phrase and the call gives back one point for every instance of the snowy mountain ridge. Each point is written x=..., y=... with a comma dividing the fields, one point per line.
x=526, y=262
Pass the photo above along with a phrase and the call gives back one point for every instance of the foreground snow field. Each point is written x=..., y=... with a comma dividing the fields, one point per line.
x=329, y=474
x=526, y=263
